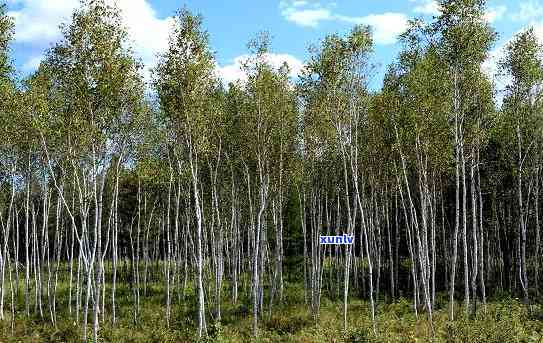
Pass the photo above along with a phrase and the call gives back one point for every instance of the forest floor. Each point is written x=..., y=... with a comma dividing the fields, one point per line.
x=504, y=320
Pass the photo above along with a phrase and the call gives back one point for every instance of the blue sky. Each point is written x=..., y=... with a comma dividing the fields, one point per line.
x=293, y=25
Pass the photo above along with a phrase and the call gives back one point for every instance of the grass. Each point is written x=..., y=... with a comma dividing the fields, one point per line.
x=503, y=320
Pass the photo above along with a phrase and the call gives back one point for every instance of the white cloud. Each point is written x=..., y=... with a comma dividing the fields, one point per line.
x=32, y=63
x=386, y=26
x=528, y=10
x=37, y=24
x=490, y=65
x=308, y=17
x=37, y=21
x=304, y=13
x=495, y=13
x=428, y=7
x=233, y=72
x=491, y=68
x=538, y=30
x=299, y=3
x=148, y=33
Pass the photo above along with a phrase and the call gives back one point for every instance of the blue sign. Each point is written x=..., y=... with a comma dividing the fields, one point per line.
x=344, y=239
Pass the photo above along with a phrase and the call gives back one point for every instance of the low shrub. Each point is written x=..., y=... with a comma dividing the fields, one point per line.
x=287, y=325
x=357, y=335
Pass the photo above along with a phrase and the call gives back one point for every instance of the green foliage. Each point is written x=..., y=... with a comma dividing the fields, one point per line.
x=268, y=111
x=10, y=123
x=187, y=87
x=465, y=35
x=503, y=322
x=520, y=117
x=332, y=87
x=88, y=90
x=6, y=34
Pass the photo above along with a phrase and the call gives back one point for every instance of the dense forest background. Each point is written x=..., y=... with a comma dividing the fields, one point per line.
x=180, y=205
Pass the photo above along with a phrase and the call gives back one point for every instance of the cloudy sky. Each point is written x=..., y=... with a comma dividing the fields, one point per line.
x=293, y=24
